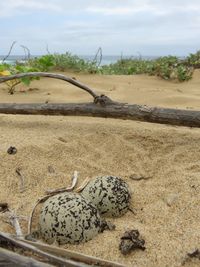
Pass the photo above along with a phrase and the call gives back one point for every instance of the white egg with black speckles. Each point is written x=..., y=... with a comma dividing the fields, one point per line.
x=109, y=194
x=68, y=218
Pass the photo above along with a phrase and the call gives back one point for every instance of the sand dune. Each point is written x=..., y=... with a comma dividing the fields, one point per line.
x=166, y=206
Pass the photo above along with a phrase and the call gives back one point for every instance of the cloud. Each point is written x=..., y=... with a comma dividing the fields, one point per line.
x=124, y=9
x=10, y=8
x=82, y=26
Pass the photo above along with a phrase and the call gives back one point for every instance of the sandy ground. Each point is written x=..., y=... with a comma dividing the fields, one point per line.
x=167, y=212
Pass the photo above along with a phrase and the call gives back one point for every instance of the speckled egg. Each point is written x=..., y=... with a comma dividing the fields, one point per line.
x=68, y=218
x=109, y=194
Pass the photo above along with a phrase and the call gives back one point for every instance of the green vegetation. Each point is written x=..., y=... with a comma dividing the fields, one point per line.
x=168, y=68
x=63, y=62
x=7, y=69
x=194, y=60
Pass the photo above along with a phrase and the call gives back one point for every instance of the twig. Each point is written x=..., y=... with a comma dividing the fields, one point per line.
x=83, y=185
x=47, y=48
x=13, y=220
x=11, y=47
x=99, y=52
x=12, y=87
x=137, y=178
x=40, y=200
x=22, y=180
x=65, y=189
x=44, y=198
x=49, y=75
x=27, y=57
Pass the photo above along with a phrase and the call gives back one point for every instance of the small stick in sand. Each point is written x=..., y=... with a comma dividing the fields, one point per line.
x=139, y=177
x=12, y=219
x=83, y=185
x=65, y=189
x=22, y=180
x=52, y=193
x=15, y=223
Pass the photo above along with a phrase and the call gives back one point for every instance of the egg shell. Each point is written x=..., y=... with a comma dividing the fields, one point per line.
x=109, y=194
x=68, y=218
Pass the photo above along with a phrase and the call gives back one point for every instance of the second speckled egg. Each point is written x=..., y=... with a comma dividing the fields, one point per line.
x=110, y=195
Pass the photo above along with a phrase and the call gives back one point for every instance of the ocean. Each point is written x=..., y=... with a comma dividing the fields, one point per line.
x=106, y=60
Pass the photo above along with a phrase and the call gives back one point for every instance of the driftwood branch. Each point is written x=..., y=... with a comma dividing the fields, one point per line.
x=49, y=75
x=7, y=241
x=50, y=254
x=9, y=258
x=120, y=111
x=76, y=256
x=103, y=106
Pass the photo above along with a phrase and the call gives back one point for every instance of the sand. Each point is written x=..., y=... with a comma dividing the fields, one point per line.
x=166, y=205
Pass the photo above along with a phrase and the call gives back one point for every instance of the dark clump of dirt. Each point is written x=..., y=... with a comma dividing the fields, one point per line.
x=195, y=254
x=107, y=225
x=131, y=241
x=12, y=150
x=3, y=207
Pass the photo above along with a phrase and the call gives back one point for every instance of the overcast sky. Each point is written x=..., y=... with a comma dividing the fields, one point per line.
x=148, y=27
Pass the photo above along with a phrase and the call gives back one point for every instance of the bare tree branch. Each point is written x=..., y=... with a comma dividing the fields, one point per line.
x=26, y=52
x=10, y=50
x=47, y=48
x=98, y=53
x=49, y=75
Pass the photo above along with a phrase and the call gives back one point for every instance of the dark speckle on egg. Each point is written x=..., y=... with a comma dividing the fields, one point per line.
x=68, y=218
x=110, y=195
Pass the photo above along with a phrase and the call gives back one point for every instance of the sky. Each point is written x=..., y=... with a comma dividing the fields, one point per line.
x=128, y=27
